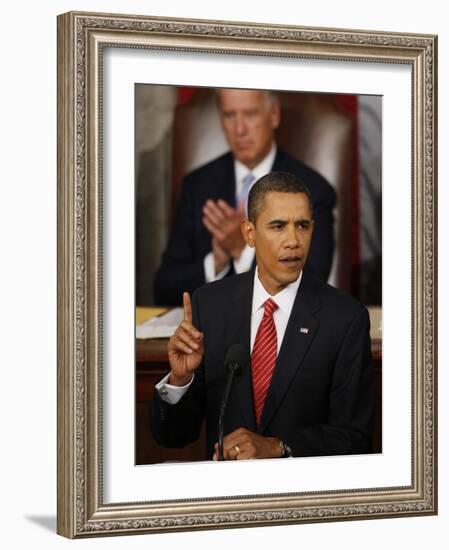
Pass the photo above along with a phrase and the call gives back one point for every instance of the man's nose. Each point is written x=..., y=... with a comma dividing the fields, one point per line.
x=292, y=240
x=240, y=124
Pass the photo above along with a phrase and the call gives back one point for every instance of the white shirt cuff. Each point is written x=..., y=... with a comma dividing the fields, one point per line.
x=245, y=261
x=169, y=393
x=209, y=269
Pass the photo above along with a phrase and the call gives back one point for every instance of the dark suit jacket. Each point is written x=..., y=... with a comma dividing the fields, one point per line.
x=321, y=397
x=182, y=262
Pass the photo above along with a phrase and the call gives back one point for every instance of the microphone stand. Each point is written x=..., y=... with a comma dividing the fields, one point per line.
x=232, y=368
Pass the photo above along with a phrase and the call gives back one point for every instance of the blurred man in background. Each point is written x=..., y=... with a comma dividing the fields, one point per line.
x=206, y=242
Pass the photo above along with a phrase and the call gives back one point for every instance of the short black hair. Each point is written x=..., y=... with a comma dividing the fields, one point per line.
x=278, y=182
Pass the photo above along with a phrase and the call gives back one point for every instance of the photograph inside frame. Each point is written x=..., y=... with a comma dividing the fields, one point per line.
x=199, y=153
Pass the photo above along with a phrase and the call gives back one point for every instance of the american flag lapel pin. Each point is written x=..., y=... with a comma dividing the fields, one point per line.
x=304, y=330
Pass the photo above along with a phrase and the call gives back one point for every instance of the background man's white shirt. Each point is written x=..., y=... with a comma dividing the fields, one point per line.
x=245, y=261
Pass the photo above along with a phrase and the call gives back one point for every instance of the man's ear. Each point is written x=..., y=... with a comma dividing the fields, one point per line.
x=248, y=229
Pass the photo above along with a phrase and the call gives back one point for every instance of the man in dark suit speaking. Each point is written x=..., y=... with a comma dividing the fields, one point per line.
x=206, y=243
x=308, y=389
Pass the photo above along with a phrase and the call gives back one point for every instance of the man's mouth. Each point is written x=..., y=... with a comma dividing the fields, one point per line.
x=243, y=144
x=291, y=260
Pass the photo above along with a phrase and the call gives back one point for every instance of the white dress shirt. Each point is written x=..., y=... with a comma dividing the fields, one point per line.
x=245, y=261
x=284, y=300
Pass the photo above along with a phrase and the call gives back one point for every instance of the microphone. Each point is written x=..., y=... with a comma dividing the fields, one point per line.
x=235, y=360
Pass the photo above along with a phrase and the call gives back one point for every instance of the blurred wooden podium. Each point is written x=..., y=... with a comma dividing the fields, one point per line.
x=152, y=365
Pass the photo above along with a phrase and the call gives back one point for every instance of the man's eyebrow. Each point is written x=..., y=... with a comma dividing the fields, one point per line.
x=277, y=222
x=283, y=222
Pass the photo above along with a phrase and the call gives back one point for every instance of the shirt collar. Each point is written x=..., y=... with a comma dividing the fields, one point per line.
x=258, y=171
x=284, y=299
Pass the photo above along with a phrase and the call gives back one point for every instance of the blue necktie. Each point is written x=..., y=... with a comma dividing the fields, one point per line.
x=247, y=182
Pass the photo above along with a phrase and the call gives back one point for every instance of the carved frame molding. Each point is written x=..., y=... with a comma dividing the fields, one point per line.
x=81, y=39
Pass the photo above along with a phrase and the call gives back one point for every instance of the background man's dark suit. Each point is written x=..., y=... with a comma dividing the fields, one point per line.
x=182, y=263
x=321, y=397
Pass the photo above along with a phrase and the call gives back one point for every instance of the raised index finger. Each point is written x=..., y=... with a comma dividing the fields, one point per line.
x=187, y=307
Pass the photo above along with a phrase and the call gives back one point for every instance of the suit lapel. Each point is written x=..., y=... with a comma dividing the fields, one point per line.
x=300, y=333
x=277, y=164
x=227, y=186
x=238, y=330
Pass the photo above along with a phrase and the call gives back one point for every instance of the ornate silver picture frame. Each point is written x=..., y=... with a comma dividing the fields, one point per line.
x=83, y=510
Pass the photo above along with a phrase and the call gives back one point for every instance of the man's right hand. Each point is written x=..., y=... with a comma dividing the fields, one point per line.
x=224, y=224
x=185, y=348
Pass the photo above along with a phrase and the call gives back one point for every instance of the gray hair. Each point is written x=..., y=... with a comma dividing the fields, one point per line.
x=271, y=96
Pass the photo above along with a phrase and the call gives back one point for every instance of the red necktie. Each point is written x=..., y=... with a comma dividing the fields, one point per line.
x=263, y=357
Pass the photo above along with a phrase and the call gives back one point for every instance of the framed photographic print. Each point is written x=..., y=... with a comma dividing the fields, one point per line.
x=179, y=131
x=124, y=81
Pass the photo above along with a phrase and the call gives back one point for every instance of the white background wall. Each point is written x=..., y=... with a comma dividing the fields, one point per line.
x=28, y=271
